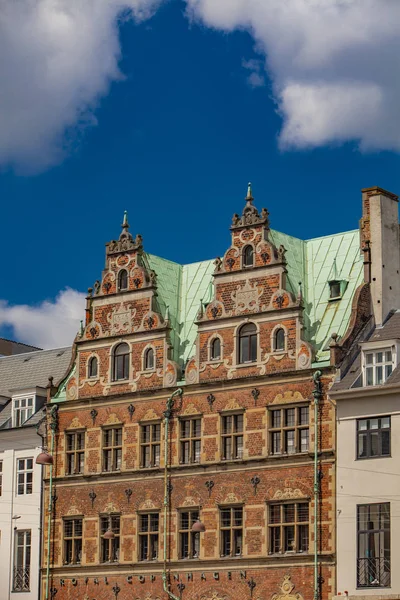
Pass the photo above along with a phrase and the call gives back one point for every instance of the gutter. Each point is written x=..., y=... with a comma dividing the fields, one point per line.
x=317, y=393
x=167, y=418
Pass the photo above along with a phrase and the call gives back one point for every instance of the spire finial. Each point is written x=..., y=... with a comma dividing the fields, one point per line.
x=249, y=198
x=125, y=223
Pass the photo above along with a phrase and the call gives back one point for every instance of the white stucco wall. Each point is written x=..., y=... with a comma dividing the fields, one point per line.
x=366, y=481
x=27, y=507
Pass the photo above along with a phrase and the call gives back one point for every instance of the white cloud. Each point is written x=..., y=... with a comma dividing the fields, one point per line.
x=333, y=64
x=58, y=57
x=256, y=78
x=48, y=325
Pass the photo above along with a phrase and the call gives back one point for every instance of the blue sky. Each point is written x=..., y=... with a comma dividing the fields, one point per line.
x=174, y=142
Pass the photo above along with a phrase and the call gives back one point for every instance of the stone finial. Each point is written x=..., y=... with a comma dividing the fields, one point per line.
x=125, y=224
x=249, y=196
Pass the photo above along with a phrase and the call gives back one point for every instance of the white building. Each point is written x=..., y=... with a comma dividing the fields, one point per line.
x=23, y=380
x=367, y=398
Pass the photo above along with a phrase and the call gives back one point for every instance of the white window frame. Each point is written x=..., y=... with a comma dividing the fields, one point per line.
x=374, y=358
x=26, y=564
x=21, y=413
x=25, y=471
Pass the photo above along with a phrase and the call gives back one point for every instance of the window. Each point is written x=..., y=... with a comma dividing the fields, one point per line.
x=22, y=561
x=248, y=256
x=24, y=476
x=1, y=477
x=334, y=290
x=189, y=541
x=75, y=451
x=72, y=541
x=190, y=441
x=248, y=343
x=232, y=437
x=149, y=359
x=23, y=410
x=215, y=350
x=110, y=548
x=121, y=362
x=123, y=280
x=373, y=548
x=148, y=536
x=112, y=449
x=93, y=367
x=373, y=437
x=150, y=445
x=288, y=527
x=231, y=531
x=279, y=340
x=289, y=430
x=378, y=366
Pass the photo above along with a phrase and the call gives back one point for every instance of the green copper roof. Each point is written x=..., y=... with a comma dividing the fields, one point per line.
x=309, y=262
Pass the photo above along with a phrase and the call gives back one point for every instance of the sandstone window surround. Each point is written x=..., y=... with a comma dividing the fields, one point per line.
x=74, y=452
x=231, y=531
x=288, y=527
x=189, y=541
x=150, y=445
x=122, y=280
x=248, y=256
x=149, y=359
x=190, y=440
x=112, y=449
x=110, y=548
x=148, y=536
x=215, y=348
x=120, y=362
x=93, y=367
x=73, y=540
x=288, y=430
x=232, y=428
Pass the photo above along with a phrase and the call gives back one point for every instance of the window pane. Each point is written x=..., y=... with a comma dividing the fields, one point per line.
x=244, y=349
x=289, y=417
x=253, y=348
x=276, y=443
x=369, y=358
x=362, y=445
x=275, y=539
x=379, y=357
x=276, y=418
x=288, y=513
x=302, y=512
x=385, y=442
x=303, y=538
x=378, y=375
x=238, y=423
x=362, y=425
x=238, y=516
x=227, y=424
x=374, y=442
x=185, y=429
x=374, y=423
x=275, y=513
x=290, y=446
x=289, y=543
x=225, y=518
x=196, y=427
x=303, y=440
x=370, y=376
x=303, y=415
x=239, y=447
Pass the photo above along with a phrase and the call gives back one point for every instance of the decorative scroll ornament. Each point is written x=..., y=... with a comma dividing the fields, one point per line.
x=213, y=596
x=246, y=298
x=287, y=588
x=121, y=319
x=288, y=494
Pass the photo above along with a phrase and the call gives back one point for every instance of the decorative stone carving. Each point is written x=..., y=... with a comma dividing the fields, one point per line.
x=287, y=588
x=171, y=373
x=191, y=410
x=147, y=505
x=250, y=215
x=231, y=498
x=288, y=494
x=190, y=501
x=148, y=596
x=304, y=356
x=232, y=405
x=121, y=319
x=71, y=390
x=125, y=242
x=112, y=419
x=246, y=298
x=213, y=596
x=110, y=507
x=288, y=396
x=75, y=424
x=150, y=415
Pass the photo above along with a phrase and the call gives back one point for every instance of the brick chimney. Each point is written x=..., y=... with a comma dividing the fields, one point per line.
x=379, y=236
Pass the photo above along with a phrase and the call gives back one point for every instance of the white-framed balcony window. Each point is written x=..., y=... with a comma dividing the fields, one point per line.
x=378, y=366
x=23, y=409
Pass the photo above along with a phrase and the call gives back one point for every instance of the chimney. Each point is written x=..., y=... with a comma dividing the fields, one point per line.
x=379, y=236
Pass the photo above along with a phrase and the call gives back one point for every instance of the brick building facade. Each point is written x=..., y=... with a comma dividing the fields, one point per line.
x=246, y=371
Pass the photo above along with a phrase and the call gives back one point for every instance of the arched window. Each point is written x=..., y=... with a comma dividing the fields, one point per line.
x=248, y=256
x=215, y=353
x=279, y=339
x=121, y=362
x=149, y=359
x=248, y=343
x=93, y=367
x=123, y=280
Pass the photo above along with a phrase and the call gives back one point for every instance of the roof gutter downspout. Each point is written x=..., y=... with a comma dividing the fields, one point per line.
x=53, y=427
x=167, y=418
x=317, y=393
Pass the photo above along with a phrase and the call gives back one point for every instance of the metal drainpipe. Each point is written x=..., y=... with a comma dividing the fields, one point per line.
x=317, y=393
x=53, y=427
x=167, y=417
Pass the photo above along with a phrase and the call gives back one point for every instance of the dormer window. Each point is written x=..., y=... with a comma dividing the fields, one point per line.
x=378, y=366
x=248, y=256
x=123, y=280
x=337, y=288
x=22, y=410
